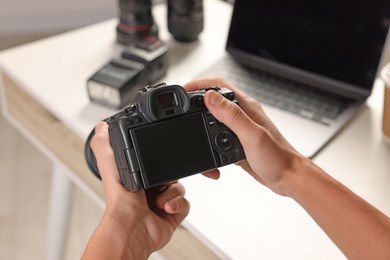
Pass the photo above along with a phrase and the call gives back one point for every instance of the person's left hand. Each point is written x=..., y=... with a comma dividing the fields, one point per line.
x=142, y=222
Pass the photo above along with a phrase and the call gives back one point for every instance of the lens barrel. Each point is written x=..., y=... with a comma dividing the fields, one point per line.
x=135, y=21
x=185, y=19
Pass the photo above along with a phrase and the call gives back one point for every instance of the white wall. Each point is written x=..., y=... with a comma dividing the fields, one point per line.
x=26, y=16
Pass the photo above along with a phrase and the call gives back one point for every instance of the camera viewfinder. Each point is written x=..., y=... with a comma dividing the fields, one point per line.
x=166, y=100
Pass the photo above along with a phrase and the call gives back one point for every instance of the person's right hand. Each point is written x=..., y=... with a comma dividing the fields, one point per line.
x=270, y=159
x=356, y=227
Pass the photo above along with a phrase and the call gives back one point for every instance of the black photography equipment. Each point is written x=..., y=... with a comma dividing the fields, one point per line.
x=140, y=64
x=167, y=134
x=135, y=21
x=185, y=19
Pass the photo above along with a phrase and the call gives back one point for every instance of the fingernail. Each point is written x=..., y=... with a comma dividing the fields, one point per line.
x=215, y=98
x=172, y=205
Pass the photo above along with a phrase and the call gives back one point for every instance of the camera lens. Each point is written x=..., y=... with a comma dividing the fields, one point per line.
x=224, y=140
x=185, y=19
x=135, y=21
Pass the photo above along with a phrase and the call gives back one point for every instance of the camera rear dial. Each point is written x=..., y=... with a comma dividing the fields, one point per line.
x=224, y=140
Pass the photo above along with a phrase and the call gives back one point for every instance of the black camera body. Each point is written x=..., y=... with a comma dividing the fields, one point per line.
x=168, y=134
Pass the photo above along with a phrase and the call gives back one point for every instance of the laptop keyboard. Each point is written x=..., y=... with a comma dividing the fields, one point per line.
x=297, y=98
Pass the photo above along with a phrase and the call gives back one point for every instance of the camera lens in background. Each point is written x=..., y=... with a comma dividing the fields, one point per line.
x=135, y=21
x=185, y=19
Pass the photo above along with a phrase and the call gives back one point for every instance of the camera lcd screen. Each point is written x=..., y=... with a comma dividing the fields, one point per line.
x=173, y=149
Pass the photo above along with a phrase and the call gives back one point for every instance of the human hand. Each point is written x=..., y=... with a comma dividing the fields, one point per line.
x=137, y=223
x=270, y=159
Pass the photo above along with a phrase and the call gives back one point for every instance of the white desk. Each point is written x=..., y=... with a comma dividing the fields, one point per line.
x=235, y=216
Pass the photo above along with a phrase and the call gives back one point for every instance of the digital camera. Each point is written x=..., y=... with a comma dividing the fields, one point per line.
x=167, y=134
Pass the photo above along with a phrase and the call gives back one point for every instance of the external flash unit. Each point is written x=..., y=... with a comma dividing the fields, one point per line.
x=116, y=82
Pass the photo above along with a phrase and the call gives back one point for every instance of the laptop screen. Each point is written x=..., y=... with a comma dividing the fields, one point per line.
x=340, y=40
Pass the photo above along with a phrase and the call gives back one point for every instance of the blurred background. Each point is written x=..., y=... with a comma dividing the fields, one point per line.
x=23, y=20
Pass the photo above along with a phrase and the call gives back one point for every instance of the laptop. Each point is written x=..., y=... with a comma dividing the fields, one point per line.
x=311, y=64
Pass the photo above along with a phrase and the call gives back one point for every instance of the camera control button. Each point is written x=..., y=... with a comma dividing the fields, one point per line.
x=224, y=140
x=138, y=120
x=229, y=96
x=199, y=102
x=211, y=122
x=224, y=159
x=130, y=110
x=130, y=121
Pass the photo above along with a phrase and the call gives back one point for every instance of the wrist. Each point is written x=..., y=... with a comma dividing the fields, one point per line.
x=304, y=172
x=126, y=238
x=295, y=175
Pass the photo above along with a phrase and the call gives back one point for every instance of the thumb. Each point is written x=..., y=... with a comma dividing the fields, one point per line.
x=231, y=115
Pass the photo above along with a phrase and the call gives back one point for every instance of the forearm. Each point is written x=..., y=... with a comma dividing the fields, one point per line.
x=109, y=241
x=357, y=228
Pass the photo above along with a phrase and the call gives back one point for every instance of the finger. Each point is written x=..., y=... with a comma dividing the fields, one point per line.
x=104, y=155
x=248, y=104
x=173, y=191
x=221, y=108
x=165, y=186
x=232, y=116
x=178, y=205
x=212, y=174
x=203, y=83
